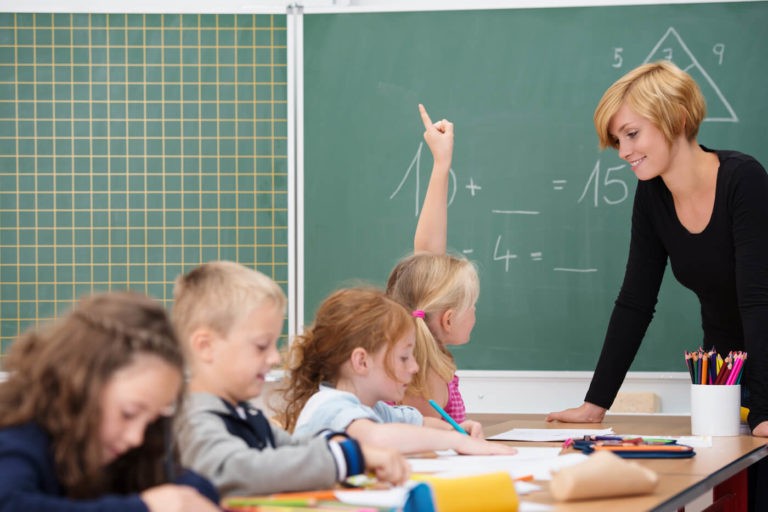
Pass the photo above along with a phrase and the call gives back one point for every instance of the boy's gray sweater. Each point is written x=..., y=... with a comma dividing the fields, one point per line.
x=206, y=446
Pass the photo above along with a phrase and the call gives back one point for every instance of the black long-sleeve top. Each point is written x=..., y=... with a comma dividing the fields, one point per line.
x=726, y=265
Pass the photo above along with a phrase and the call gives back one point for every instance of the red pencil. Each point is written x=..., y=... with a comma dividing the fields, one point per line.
x=722, y=376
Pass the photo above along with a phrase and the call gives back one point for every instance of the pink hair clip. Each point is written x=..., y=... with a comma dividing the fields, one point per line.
x=417, y=313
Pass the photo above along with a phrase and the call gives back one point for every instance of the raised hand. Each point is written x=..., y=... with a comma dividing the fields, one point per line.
x=439, y=138
x=432, y=228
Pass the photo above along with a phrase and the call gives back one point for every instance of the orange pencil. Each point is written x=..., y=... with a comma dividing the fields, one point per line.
x=321, y=495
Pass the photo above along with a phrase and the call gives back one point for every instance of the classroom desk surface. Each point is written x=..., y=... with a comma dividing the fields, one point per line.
x=681, y=480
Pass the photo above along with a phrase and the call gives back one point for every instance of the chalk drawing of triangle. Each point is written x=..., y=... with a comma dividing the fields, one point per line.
x=672, y=47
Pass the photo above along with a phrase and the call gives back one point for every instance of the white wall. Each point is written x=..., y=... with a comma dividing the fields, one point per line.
x=543, y=392
x=330, y=6
x=308, y=6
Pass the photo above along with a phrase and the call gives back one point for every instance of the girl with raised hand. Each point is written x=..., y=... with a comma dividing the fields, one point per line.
x=440, y=289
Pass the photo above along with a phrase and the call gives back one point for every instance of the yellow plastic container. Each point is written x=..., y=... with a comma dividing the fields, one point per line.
x=489, y=492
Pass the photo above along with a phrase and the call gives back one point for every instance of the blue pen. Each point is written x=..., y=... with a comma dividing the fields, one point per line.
x=447, y=418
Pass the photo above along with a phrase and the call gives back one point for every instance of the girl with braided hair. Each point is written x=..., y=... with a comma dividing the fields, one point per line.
x=86, y=410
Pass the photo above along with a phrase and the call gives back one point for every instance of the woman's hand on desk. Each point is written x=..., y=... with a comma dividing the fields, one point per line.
x=585, y=413
x=761, y=430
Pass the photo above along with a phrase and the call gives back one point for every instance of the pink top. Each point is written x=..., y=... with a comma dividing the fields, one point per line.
x=455, y=406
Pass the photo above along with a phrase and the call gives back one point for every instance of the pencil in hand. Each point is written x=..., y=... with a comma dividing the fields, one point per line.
x=448, y=418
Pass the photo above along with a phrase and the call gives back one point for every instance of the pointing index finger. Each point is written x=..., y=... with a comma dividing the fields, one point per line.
x=425, y=117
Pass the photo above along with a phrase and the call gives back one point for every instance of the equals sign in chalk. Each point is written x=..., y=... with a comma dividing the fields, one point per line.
x=559, y=184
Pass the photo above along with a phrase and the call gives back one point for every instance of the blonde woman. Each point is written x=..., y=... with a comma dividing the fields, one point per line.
x=703, y=210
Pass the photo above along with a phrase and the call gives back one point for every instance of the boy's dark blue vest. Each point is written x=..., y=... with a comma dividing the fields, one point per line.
x=254, y=429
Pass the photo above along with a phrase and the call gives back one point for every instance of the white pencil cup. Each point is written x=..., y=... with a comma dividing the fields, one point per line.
x=715, y=410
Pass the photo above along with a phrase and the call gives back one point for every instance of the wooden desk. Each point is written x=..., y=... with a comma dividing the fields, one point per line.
x=681, y=480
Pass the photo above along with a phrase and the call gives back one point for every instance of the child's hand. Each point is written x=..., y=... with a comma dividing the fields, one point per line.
x=472, y=446
x=176, y=498
x=473, y=428
x=439, y=138
x=388, y=465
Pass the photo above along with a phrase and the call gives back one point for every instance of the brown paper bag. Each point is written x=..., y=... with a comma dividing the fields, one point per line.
x=602, y=475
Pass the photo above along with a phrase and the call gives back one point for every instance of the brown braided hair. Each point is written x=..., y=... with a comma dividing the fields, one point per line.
x=56, y=376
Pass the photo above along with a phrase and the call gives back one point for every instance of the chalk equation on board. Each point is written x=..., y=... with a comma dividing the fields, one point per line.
x=416, y=164
x=499, y=253
x=604, y=185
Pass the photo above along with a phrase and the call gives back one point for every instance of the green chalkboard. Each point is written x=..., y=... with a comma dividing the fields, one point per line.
x=134, y=147
x=535, y=204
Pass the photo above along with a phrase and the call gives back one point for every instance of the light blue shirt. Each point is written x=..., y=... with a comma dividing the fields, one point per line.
x=331, y=409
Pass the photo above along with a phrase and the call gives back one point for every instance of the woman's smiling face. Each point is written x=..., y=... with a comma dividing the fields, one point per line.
x=640, y=143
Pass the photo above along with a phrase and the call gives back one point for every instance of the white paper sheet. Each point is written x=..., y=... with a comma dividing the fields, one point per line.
x=394, y=497
x=536, y=461
x=548, y=434
x=527, y=506
x=522, y=488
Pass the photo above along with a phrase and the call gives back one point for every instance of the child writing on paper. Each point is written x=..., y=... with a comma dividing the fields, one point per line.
x=229, y=318
x=439, y=288
x=357, y=356
x=86, y=411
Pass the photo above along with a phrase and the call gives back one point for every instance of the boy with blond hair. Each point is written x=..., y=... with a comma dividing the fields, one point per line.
x=229, y=319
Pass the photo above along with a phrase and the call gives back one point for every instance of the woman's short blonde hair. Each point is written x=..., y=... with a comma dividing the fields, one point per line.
x=660, y=92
